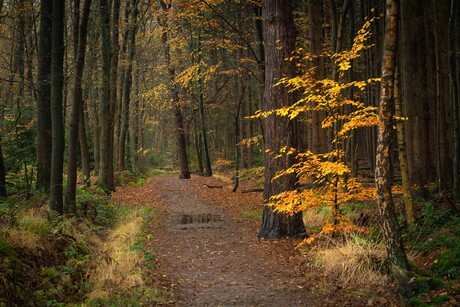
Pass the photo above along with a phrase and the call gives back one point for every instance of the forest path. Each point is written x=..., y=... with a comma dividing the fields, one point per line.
x=208, y=254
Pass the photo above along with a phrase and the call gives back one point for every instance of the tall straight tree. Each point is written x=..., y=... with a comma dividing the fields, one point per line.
x=279, y=33
x=127, y=84
x=394, y=245
x=105, y=178
x=453, y=76
x=44, y=126
x=2, y=173
x=80, y=30
x=174, y=95
x=57, y=85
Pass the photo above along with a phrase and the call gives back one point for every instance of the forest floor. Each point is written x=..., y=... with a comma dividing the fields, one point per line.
x=204, y=238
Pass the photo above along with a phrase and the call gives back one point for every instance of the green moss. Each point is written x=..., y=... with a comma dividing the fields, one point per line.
x=414, y=301
x=440, y=299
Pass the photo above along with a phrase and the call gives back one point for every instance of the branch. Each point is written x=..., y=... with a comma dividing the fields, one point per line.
x=234, y=29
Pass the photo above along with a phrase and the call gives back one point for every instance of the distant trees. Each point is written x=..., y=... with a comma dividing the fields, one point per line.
x=173, y=82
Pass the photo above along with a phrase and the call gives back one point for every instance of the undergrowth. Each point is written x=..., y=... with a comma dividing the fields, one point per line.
x=95, y=259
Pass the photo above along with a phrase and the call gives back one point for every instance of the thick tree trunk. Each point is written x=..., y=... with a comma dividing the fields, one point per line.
x=76, y=108
x=57, y=84
x=106, y=178
x=44, y=126
x=279, y=33
x=394, y=245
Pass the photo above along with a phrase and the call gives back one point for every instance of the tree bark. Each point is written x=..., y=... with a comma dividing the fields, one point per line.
x=106, y=178
x=2, y=173
x=453, y=75
x=402, y=151
x=44, y=125
x=207, y=158
x=181, y=143
x=76, y=108
x=127, y=85
x=57, y=85
x=84, y=147
x=279, y=34
x=394, y=245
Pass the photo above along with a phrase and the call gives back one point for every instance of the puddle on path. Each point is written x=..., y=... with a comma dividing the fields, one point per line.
x=191, y=221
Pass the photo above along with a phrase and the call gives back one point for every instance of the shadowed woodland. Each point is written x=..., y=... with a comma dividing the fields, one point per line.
x=144, y=144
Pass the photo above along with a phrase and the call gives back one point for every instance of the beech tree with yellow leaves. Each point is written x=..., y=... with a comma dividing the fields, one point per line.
x=323, y=179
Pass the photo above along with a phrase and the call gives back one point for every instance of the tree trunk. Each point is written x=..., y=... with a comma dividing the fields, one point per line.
x=114, y=60
x=127, y=84
x=318, y=136
x=76, y=108
x=84, y=148
x=402, y=151
x=394, y=245
x=106, y=178
x=2, y=173
x=44, y=125
x=440, y=13
x=279, y=34
x=207, y=158
x=57, y=84
x=453, y=75
x=136, y=123
x=174, y=94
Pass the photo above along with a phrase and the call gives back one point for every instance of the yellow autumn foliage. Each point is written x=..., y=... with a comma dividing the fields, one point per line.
x=325, y=179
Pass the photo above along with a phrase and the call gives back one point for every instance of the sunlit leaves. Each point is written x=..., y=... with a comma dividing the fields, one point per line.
x=324, y=180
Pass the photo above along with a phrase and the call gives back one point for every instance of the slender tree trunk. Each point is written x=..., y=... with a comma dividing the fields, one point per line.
x=44, y=125
x=279, y=30
x=114, y=60
x=76, y=108
x=2, y=173
x=136, y=122
x=174, y=94
x=207, y=159
x=106, y=178
x=84, y=148
x=394, y=245
x=318, y=135
x=453, y=75
x=57, y=85
x=127, y=84
x=402, y=151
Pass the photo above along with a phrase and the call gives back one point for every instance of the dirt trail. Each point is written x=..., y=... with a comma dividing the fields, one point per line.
x=208, y=254
x=212, y=256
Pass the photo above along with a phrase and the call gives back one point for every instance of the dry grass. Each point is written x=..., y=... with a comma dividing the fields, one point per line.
x=313, y=218
x=358, y=261
x=117, y=267
x=33, y=243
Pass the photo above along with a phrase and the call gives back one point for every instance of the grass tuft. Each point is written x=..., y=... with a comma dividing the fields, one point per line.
x=357, y=260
